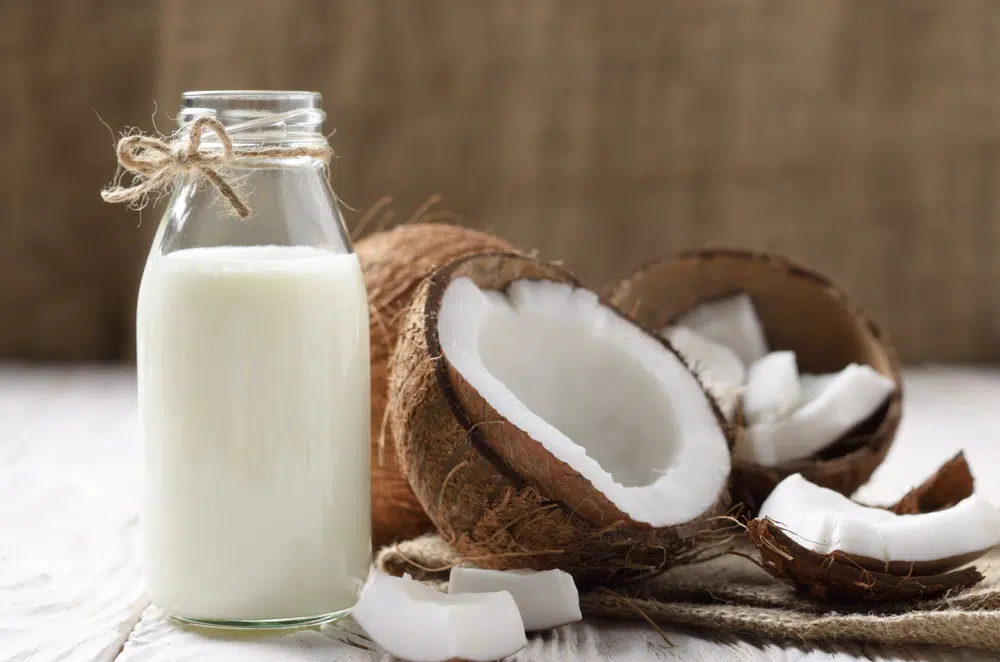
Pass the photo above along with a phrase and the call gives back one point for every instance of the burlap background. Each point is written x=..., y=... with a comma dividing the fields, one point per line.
x=731, y=596
x=859, y=136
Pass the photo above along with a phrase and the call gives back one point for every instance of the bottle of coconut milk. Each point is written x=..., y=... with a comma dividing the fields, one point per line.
x=253, y=376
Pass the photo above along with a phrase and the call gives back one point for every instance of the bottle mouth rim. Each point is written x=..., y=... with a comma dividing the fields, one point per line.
x=251, y=112
x=254, y=95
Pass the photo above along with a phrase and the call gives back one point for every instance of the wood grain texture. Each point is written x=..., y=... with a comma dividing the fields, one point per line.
x=155, y=639
x=858, y=136
x=70, y=584
x=69, y=264
x=861, y=137
x=69, y=581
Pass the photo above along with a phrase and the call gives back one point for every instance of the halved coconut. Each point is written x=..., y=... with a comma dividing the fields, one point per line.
x=394, y=264
x=818, y=539
x=540, y=428
x=799, y=311
x=546, y=599
x=417, y=622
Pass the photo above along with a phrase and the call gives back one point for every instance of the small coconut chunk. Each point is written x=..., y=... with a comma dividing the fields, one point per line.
x=772, y=389
x=824, y=521
x=597, y=392
x=546, y=599
x=717, y=366
x=811, y=386
x=731, y=322
x=417, y=622
x=831, y=406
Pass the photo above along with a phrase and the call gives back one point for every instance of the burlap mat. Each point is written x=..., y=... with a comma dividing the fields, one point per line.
x=731, y=595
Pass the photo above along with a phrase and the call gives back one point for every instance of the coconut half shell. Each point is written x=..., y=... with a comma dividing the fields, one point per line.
x=800, y=311
x=830, y=578
x=499, y=503
x=394, y=263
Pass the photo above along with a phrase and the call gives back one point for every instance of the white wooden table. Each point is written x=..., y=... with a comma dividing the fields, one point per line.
x=70, y=583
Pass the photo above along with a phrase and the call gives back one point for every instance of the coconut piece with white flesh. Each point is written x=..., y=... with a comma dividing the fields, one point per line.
x=816, y=529
x=546, y=599
x=718, y=367
x=732, y=322
x=832, y=406
x=830, y=523
x=772, y=388
x=542, y=429
x=417, y=622
x=826, y=577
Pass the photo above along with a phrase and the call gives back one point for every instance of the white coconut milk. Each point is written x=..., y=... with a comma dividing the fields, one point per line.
x=253, y=393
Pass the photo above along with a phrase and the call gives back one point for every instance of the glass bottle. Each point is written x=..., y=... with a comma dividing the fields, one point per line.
x=252, y=351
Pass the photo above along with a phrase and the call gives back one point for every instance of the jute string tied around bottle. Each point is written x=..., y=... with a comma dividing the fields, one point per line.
x=156, y=161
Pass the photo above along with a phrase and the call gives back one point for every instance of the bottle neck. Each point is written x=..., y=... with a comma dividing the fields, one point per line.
x=258, y=119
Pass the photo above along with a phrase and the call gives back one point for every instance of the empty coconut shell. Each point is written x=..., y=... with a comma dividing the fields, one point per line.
x=469, y=470
x=829, y=578
x=800, y=311
x=394, y=264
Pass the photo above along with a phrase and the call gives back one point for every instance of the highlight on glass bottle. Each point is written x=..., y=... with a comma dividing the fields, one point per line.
x=252, y=353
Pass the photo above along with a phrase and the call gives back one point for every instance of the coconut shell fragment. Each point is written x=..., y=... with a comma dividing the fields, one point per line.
x=800, y=311
x=951, y=483
x=828, y=578
x=475, y=475
x=394, y=263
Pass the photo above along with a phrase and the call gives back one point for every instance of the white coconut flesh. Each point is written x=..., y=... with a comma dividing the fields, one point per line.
x=731, y=322
x=416, y=622
x=824, y=521
x=546, y=599
x=772, y=389
x=596, y=391
x=717, y=366
x=811, y=386
x=831, y=406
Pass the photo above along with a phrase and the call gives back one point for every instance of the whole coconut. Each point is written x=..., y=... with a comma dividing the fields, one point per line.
x=394, y=264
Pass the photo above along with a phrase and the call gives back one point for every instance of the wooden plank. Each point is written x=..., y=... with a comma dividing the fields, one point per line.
x=69, y=566
x=155, y=639
x=70, y=585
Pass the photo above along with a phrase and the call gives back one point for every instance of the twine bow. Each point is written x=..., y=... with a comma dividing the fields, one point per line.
x=155, y=161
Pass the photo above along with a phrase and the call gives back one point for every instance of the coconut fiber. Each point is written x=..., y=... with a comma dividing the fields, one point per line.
x=731, y=595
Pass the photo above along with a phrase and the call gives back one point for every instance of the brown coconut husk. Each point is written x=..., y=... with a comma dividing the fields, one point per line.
x=800, y=310
x=394, y=264
x=482, y=480
x=831, y=577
